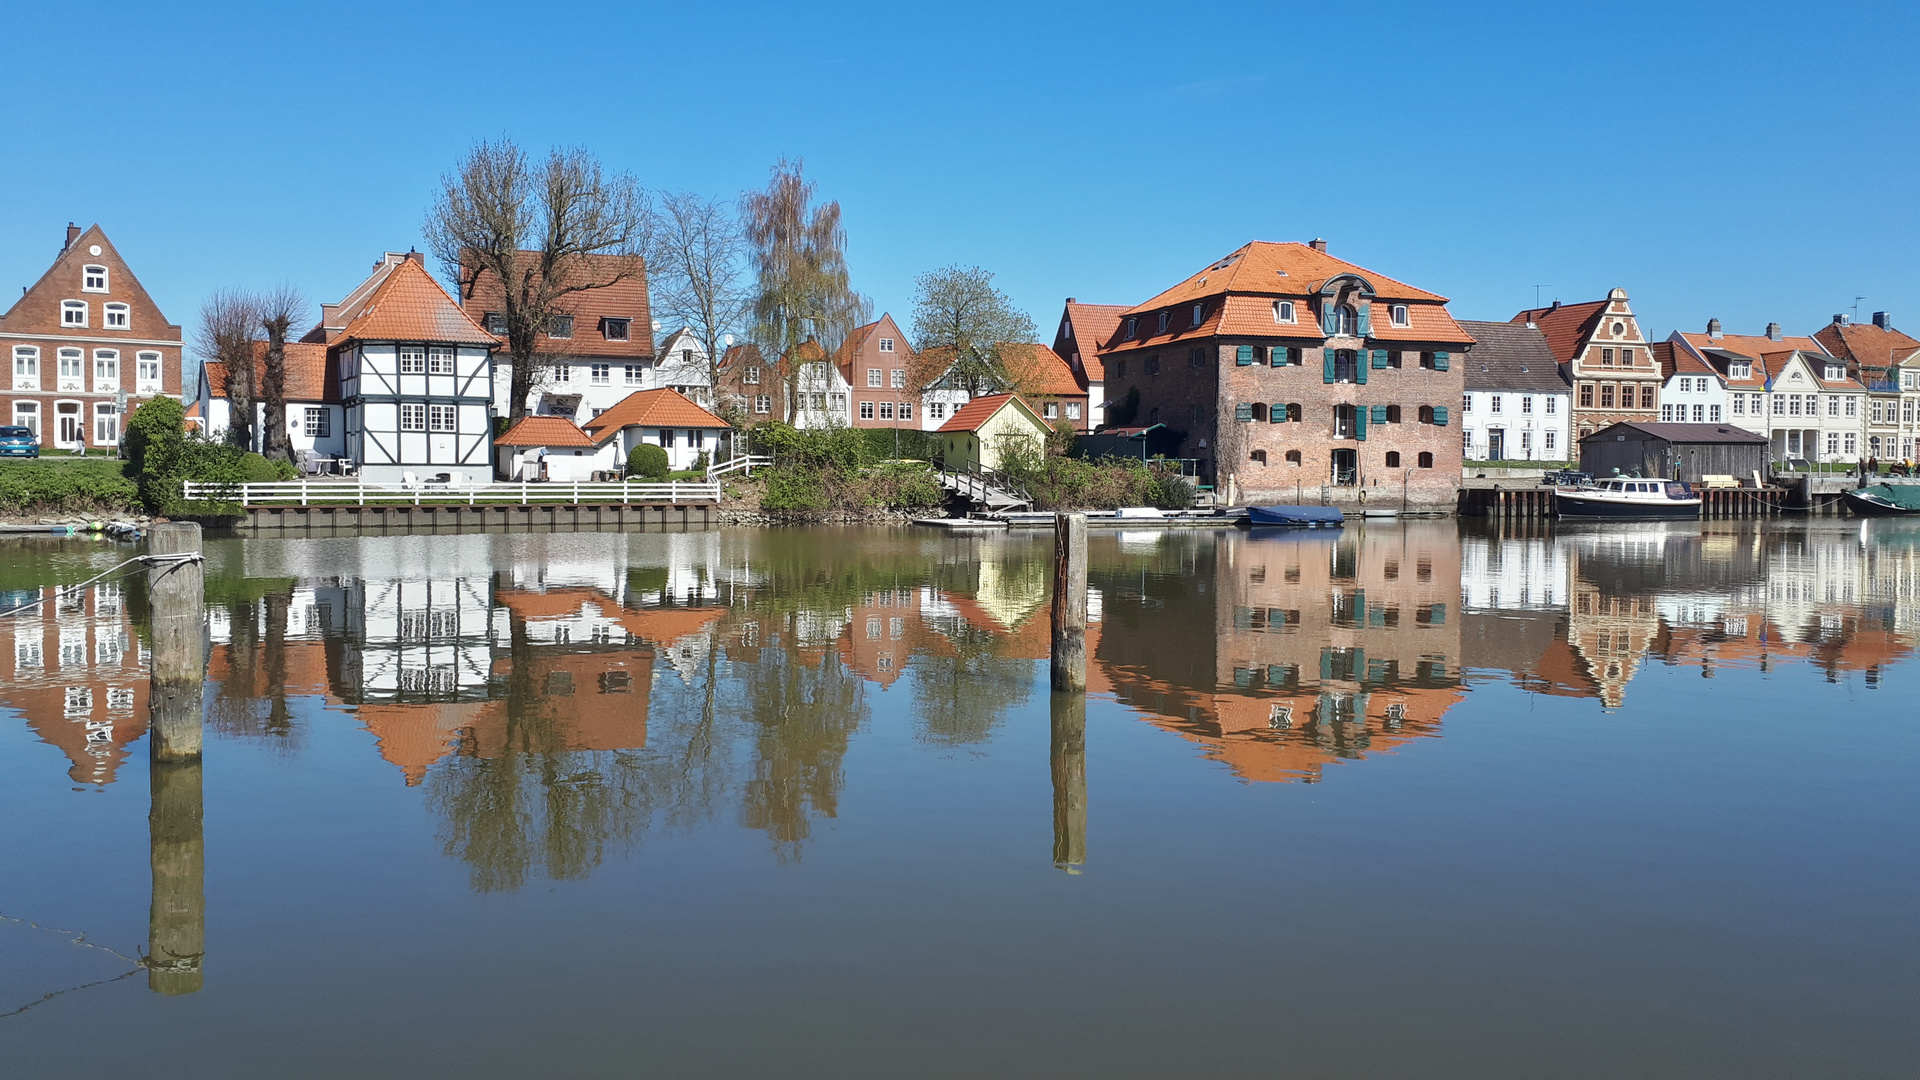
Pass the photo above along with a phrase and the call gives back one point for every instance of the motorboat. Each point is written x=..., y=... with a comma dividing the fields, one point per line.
x=1295, y=517
x=1885, y=500
x=1628, y=497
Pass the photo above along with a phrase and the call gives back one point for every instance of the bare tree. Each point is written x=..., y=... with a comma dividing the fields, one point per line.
x=698, y=276
x=537, y=230
x=802, y=292
x=958, y=316
x=225, y=336
x=276, y=311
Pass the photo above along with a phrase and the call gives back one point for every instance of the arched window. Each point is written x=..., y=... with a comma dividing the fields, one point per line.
x=1426, y=459
x=1293, y=412
x=1259, y=457
x=1349, y=320
x=1393, y=459
x=1393, y=414
x=1260, y=414
x=1426, y=414
x=1293, y=457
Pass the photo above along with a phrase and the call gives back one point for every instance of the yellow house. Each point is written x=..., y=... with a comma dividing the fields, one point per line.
x=983, y=430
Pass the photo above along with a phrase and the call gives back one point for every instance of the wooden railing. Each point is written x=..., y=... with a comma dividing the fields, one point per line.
x=744, y=463
x=364, y=493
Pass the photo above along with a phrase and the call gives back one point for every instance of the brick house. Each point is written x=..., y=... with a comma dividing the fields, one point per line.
x=1088, y=324
x=751, y=391
x=1287, y=371
x=1887, y=363
x=593, y=356
x=881, y=368
x=1049, y=384
x=85, y=345
x=1606, y=359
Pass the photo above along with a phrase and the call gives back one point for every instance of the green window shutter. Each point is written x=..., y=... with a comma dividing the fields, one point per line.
x=1359, y=605
x=1439, y=614
x=1360, y=367
x=1243, y=355
x=1439, y=361
x=1327, y=375
x=1360, y=423
x=1379, y=358
x=1366, y=320
x=1440, y=416
x=1379, y=414
x=1326, y=663
x=1359, y=664
x=1243, y=412
x=1277, y=412
x=1277, y=356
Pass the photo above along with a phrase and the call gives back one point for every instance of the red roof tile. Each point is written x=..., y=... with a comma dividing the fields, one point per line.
x=653, y=408
x=306, y=373
x=1866, y=345
x=1566, y=325
x=408, y=305
x=544, y=431
x=1040, y=371
x=1290, y=269
x=624, y=298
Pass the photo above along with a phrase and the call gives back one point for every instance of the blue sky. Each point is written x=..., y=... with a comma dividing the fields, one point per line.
x=1751, y=161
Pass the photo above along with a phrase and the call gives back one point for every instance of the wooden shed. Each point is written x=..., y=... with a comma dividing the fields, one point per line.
x=1673, y=451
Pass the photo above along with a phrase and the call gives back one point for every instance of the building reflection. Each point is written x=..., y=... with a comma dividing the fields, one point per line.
x=74, y=667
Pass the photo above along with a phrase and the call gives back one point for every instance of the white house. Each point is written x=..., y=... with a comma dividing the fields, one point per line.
x=316, y=417
x=691, y=435
x=553, y=448
x=1518, y=404
x=821, y=395
x=416, y=377
x=1694, y=391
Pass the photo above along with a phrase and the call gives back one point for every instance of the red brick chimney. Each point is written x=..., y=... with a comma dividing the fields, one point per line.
x=73, y=233
x=1318, y=245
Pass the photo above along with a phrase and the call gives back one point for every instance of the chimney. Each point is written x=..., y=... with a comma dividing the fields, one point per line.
x=1713, y=328
x=1070, y=300
x=1555, y=306
x=1773, y=331
x=1840, y=319
x=73, y=233
x=1318, y=245
x=1883, y=320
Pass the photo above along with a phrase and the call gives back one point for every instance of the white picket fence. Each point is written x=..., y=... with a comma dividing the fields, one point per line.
x=744, y=463
x=362, y=493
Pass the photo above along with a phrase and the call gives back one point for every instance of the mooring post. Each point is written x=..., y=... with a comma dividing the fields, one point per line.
x=176, y=593
x=1069, y=759
x=1070, y=603
x=177, y=921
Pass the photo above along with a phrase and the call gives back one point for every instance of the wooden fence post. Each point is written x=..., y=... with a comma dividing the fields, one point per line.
x=176, y=593
x=1069, y=760
x=1070, y=602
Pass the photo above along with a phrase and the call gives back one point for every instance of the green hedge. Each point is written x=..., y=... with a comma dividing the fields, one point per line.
x=649, y=461
x=67, y=486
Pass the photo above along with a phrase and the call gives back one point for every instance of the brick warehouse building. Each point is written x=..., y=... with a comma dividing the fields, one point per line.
x=84, y=345
x=1291, y=374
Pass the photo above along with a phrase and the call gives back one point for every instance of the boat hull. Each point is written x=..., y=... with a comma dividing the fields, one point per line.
x=1569, y=505
x=1871, y=507
x=1295, y=517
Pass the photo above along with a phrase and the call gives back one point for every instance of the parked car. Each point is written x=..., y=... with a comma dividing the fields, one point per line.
x=19, y=442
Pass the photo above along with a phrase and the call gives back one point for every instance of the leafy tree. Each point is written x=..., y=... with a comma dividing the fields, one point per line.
x=962, y=321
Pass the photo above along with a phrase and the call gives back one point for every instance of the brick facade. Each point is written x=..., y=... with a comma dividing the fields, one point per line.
x=65, y=375
x=1607, y=361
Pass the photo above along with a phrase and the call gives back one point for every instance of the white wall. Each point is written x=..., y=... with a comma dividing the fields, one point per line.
x=683, y=445
x=1693, y=399
x=1525, y=416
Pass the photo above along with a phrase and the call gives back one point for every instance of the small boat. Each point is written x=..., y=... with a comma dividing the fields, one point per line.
x=1295, y=517
x=1886, y=500
x=1625, y=497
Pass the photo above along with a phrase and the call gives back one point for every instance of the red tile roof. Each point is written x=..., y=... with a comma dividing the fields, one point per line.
x=408, y=305
x=306, y=373
x=1676, y=361
x=973, y=414
x=652, y=408
x=1753, y=345
x=544, y=431
x=1567, y=326
x=1290, y=269
x=625, y=298
x=1866, y=345
x=1040, y=371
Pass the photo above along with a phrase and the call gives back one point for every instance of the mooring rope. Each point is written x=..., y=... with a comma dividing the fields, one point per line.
x=173, y=560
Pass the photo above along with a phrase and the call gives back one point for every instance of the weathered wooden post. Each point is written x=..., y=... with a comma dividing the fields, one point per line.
x=177, y=921
x=1069, y=759
x=1070, y=602
x=176, y=591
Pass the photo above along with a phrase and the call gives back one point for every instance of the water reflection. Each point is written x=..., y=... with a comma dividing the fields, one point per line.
x=77, y=672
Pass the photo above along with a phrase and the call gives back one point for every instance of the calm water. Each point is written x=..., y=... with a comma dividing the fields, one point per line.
x=1415, y=800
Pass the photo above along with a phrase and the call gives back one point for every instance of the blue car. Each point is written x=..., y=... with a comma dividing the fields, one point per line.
x=19, y=442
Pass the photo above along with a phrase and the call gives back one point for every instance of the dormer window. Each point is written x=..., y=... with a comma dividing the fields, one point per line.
x=886, y=344
x=1133, y=327
x=495, y=323
x=1164, y=319
x=616, y=329
x=1836, y=372
x=560, y=326
x=1740, y=369
x=115, y=316
x=1199, y=313
x=73, y=313
x=1340, y=320
x=93, y=279
x=1398, y=313
x=1283, y=311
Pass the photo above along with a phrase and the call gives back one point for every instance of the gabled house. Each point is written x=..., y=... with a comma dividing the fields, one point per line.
x=988, y=428
x=691, y=436
x=1049, y=384
x=1517, y=402
x=1747, y=365
x=84, y=346
x=880, y=367
x=817, y=392
x=1887, y=363
x=1082, y=328
x=553, y=448
x=1694, y=391
x=315, y=414
x=595, y=352
x=682, y=366
x=751, y=390
x=416, y=377
x=1606, y=358
x=1283, y=368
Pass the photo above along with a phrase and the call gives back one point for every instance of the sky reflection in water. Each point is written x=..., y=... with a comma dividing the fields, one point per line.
x=1420, y=798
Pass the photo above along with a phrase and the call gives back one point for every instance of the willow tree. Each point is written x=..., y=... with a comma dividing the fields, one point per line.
x=960, y=318
x=545, y=233
x=802, y=291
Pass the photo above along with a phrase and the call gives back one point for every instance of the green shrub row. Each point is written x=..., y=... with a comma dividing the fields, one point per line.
x=71, y=486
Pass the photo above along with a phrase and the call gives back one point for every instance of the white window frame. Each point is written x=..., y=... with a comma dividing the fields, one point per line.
x=413, y=359
x=886, y=344
x=906, y=410
x=78, y=379
x=1283, y=312
x=866, y=410
x=874, y=376
x=899, y=378
x=26, y=414
x=601, y=375
x=140, y=362
x=636, y=374
x=1399, y=316
x=1199, y=313
x=106, y=424
x=443, y=418
x=413, y=416
x=26, y=367
x=440, y=361
x=886, y=410
x=318, y=422
x=750, y=375
x=762, y=404
x=106, y=369
x=108, y=313
x=87, y=274
x=73, y=313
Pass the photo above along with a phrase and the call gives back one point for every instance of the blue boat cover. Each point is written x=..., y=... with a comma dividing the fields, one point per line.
x=1295, y=515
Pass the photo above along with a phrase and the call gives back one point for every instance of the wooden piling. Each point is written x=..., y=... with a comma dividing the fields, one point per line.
x=176, y=591
x=177, y=921
x=1069, y=758
x=1070, y=603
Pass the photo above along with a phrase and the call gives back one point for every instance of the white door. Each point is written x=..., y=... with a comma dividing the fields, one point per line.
x=73, y=426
